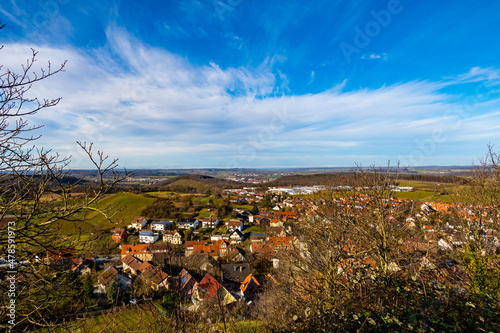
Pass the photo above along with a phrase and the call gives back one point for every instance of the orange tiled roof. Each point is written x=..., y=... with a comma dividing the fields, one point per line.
x=135, y=249
x=246, y=282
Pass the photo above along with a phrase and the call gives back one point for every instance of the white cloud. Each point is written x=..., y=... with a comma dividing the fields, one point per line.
x=382, y=56
x=152, y=108
x=476, y=74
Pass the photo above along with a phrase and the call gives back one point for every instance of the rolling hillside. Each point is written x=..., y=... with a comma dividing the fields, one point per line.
x=121, y=207
x=194, y=184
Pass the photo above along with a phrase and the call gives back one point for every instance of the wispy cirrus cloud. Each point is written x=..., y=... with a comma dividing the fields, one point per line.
x=153, y=108
x=373, y=56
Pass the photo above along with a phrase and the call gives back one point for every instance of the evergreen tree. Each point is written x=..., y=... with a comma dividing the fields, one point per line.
x=88, y=288
x=112, y=292
x=188, y=234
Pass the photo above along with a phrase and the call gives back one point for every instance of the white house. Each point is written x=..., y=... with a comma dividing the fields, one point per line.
x=139, y=222
x=234, y=224
x=187, y=223
x=161, y=225
x=148, y=237
x=236, y=237
x=209, y=222
x=215, y=238
x=173, y=237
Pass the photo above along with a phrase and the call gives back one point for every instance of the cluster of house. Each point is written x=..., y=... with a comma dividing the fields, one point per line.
x=151, y=232
x=249, y=194
x=236, y=283
x=454, y=235
x=275, y=221
x=143, y=261
x=220, y=245
x=442, y=235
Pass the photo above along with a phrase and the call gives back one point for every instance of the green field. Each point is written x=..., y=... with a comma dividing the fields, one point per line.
x=121, y=208
x=245, y=207
x=427, y=191
x=422, y=191
x=423, y=196
x=162, y=194
x=189, y=183
x=204, y=213
x=72, y=227
x=254, y=229
x=139, y=319
x=130, y=319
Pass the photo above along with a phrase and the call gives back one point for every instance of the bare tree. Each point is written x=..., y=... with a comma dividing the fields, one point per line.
x=478, y=223
x=358, y=265
x=28, y=174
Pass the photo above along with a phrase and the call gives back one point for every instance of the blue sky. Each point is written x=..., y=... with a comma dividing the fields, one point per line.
x=242, y=83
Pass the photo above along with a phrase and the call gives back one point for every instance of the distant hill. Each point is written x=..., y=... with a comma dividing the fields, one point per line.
x=340, y=179
x=194, y=184
x=309, y=180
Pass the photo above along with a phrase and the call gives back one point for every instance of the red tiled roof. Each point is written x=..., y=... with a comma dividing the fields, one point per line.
x=132, y=262
x=6, y=220
x=262, y=248
x=193, y=243
x=234, y=223
x=145, y=266
x=280, y=241
x=212, y=249
x=210, y=284
x=139, y=219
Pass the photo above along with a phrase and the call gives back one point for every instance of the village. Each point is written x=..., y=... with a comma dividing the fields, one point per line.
x=239, y=166
x=232, y=260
